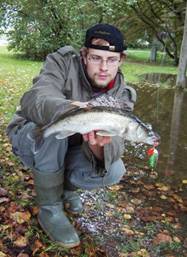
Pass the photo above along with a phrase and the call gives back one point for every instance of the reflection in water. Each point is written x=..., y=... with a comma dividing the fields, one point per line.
x=156, y=78
x=165, y=108
x=174, y=132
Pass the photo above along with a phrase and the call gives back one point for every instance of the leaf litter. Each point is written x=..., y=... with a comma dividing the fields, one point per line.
x=138, y=217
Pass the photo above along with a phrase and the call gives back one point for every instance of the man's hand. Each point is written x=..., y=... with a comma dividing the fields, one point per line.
x=96, y=143
x=80, y=104
x=93, y=139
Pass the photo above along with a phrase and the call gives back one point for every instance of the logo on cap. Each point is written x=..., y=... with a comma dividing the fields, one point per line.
x=102, y=32
x=111, y=48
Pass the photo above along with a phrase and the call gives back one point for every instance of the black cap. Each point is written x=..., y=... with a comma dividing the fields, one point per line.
x=107, y=32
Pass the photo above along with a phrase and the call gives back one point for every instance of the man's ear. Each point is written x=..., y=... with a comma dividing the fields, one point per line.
x=85, y=60
x=84, y=52
x=122, y=58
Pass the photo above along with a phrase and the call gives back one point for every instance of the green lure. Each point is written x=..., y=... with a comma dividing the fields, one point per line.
x=153, y=158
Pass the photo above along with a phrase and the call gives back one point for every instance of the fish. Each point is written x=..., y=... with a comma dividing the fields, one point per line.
x=107, y=116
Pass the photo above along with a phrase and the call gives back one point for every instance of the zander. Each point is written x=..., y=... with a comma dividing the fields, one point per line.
x=108, y=117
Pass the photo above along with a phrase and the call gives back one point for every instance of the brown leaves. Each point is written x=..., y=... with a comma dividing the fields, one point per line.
x=3, y=196
x=2, y=254
x=162, y=238
x=150, y=214
x=21, y=217
x=21, y=241
x=114, y=220
x=37, y=246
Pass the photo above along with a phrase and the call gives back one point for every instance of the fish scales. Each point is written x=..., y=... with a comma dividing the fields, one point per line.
x=106, y=115
x=85, y=122
x=105, y=120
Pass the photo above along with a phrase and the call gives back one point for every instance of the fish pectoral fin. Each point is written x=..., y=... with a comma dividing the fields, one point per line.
x=105, y=133
x=64, y=134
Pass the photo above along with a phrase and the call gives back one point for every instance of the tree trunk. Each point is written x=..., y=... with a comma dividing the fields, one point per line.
x=181, y=77
x=153, y=54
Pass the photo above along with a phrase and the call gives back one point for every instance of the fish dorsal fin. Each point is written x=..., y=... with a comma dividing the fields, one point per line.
x=108, y=101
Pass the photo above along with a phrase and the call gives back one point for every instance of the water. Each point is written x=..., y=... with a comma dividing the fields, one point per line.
x=165, y=108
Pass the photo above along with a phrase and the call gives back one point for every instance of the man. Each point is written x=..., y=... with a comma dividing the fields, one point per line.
x=81, y=161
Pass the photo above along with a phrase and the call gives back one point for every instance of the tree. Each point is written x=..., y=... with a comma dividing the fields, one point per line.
x=41, y=26
x=163, y=17
x=181, y=77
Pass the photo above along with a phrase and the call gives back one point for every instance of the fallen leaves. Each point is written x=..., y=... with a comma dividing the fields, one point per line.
x=136, y=201
x=162, y=238
x=127, y=216
x=21, y=241
x=162, y=187
x=4, y=200
x=123, y=216
x=127, y=230
x=150, y=214
x=21, y=217
x=3, y=196
x=2, y=254
x=37, y=246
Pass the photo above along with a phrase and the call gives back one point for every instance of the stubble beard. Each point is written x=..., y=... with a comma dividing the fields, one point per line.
x=98, y=84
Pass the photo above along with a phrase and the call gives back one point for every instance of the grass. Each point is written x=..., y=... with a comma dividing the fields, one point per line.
x=137, y=63
x=15, y=77
x=143, y=55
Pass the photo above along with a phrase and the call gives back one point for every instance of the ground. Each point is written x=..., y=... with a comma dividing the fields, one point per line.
x=139, y=217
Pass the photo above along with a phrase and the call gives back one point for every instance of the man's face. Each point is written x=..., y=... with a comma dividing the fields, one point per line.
x=101, y=66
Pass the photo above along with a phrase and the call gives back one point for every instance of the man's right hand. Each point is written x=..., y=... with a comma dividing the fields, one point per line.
x=80, y=104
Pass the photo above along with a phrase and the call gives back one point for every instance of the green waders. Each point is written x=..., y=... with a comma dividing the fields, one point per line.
x=49, y=193
x=72, y=202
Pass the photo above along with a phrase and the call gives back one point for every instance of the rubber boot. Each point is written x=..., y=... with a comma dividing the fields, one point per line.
x=51, y=217
x=72, y=202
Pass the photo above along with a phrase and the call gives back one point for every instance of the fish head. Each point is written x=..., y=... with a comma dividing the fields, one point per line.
x=140, y=133
x=153, y=139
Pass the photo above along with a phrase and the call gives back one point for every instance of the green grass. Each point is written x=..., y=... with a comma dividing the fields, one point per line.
x=143, y=55
x=137, y=63
x=15, y=77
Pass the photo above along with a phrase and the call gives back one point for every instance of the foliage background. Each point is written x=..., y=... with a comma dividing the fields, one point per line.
x=39, y=27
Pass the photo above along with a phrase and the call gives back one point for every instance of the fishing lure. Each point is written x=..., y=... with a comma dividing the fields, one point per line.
x=153, y=157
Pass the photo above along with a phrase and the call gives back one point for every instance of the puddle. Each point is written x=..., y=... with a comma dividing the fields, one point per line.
x=165, y=108
x=155, y=78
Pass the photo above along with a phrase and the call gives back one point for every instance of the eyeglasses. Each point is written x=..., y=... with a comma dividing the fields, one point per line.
x=98, y=60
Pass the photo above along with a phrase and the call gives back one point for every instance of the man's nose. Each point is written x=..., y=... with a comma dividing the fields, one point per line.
x=104, y=65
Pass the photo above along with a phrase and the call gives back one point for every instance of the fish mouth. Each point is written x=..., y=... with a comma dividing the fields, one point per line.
x=153, y=140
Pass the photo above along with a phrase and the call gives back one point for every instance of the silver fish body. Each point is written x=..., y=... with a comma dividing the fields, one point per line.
x=106, y=123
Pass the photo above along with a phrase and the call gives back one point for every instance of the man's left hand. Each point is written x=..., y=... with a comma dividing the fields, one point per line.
x=93, y=139
x=96, y=143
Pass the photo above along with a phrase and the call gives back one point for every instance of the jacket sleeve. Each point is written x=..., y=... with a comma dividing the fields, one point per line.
x=114, y=150
x=45, y=101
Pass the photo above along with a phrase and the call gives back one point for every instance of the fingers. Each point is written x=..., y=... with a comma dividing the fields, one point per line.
x=85, y=137
x=103, y=140
x=90, y=138
x=80, y=104
x=94, y=139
